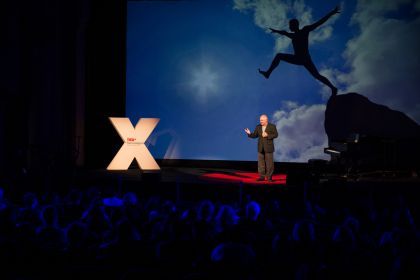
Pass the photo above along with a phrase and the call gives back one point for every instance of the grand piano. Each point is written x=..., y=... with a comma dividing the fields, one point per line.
x=364, y=154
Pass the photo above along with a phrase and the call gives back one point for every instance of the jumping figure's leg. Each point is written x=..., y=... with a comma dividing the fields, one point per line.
x=312, y=69
x=290, y=58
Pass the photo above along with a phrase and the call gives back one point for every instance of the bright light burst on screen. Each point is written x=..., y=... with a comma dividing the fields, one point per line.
x=204, y=81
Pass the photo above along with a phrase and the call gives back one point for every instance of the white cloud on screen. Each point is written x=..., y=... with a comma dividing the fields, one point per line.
x=384, y=56
x=301, y=132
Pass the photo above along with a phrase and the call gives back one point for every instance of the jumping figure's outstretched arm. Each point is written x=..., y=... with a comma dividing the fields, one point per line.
x=281, y=32
x=324, y=19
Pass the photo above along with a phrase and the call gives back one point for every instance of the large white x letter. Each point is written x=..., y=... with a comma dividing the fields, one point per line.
x=133, y=147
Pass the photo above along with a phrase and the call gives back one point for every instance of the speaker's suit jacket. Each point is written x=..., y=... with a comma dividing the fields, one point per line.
x=265, y=144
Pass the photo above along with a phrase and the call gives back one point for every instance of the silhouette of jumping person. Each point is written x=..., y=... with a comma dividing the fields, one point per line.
x=300, y=46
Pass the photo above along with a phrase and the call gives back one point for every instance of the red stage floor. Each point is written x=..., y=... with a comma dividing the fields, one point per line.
x=243, y=177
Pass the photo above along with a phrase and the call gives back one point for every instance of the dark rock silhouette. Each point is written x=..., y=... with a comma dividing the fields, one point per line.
x=353, y=113
x=386, y=138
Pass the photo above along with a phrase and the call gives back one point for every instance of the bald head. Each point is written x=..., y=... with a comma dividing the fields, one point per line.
x=263, y=120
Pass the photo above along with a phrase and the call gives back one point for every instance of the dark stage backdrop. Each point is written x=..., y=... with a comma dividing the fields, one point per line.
x=194, y=65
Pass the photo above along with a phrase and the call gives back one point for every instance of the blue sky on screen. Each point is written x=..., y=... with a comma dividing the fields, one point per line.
x=193, y=64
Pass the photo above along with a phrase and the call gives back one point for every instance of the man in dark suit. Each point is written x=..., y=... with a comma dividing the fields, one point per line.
x=265, y=132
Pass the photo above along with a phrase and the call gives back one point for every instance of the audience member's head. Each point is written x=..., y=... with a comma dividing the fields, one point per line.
x=130, y=199
x=49, y=216
x=253, y=210
x=303, y=231
x=30, y=200
x=3, y=203
x=226, y=216
x=205, y=211
x=168, y=208
x=233, y=254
